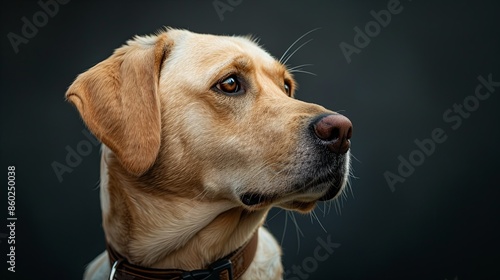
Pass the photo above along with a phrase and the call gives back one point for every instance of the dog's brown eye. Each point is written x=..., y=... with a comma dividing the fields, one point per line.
x=229, y=85
x=287, y=88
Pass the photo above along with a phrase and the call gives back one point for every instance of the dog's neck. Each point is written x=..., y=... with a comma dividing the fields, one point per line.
x=170, y=232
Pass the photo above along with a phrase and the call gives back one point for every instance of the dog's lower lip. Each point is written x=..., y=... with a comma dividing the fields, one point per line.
x=330, y=178
x=331, y=183
x=251, y=199
x=332, y=191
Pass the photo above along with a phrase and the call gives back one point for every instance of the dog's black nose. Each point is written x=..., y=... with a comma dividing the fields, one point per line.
x=334, y=131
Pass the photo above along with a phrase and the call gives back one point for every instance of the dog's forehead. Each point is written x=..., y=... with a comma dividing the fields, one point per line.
x=202, y=50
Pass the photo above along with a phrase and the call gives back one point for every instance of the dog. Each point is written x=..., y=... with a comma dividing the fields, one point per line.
x=201, y=136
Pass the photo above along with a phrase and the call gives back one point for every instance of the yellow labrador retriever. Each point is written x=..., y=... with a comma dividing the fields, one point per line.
x=201, y=137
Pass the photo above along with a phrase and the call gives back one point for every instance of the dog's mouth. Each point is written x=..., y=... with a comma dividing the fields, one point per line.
x=255, y=199
x=330, y=194
x=321, y=185
x=330, y=182
x=299, y=199
x=333, y=184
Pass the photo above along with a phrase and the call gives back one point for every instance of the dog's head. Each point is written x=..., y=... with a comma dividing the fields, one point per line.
x=213, y=118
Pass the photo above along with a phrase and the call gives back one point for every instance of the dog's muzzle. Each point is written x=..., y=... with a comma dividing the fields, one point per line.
x=333, y=132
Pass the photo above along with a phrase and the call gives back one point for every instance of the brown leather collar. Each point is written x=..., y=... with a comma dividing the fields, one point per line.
x=230, y=267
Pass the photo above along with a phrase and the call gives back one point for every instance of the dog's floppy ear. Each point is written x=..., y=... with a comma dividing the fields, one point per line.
x=119, y=102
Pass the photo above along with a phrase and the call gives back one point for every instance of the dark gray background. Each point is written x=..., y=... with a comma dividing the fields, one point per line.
x=441, y=223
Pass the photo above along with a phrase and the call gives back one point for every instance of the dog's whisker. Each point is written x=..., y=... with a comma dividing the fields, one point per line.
x=299, y=66
x=350, y=175
x=290, y=56
x=345, y=194
x=97, y=184
x=338, y=210
x=292, y=218
x=297, y=229
x=280, y=172
x=199, y=196
x=313, y=214
x=295, y=42
x=284, y=228
x=262, y=168
x=324, y=208
x=302, y=71
x=349, y=186
x=275, y=215
x=352, y=155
